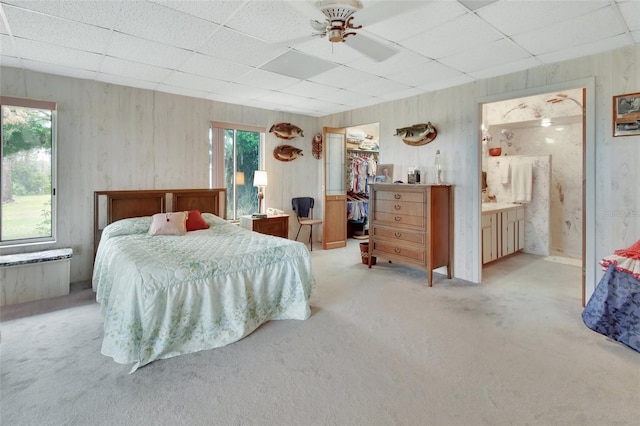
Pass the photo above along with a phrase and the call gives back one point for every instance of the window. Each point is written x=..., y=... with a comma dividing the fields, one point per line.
x=240, y=147
x=28, y=150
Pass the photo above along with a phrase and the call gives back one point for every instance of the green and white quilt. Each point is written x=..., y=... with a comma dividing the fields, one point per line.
x=163, y=296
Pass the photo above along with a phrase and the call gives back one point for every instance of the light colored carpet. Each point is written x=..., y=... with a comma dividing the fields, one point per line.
x=380, y=348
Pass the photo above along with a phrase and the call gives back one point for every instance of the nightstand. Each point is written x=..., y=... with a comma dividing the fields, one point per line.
x=276, y=225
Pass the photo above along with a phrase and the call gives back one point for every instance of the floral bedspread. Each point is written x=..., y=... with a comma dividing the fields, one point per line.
x=163, y=296
x=614, y=307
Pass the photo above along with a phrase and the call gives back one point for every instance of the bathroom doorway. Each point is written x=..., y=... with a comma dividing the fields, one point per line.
x=546, y=127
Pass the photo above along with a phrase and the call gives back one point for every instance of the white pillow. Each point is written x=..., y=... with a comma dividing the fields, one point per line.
x=168, y=224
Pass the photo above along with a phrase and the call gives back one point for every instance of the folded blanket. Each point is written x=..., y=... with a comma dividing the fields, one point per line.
x=625, y=260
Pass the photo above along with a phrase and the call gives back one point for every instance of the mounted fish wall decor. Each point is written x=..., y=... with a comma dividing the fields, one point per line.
x=418, y=134
x=316, y=146
x=286, y=130
x=286, y=152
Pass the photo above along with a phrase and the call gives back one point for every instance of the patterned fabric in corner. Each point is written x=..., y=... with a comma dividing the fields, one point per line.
x=614, y=308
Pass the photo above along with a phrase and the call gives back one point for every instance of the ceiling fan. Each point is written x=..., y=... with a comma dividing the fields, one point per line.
x=334, y=19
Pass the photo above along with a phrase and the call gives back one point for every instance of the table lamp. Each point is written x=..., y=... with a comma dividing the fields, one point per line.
x=260, y=180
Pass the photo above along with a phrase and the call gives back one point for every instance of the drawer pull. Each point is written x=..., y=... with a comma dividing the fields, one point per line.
x=397, y=196
x=397, y=250
x=397, y=206
x=398, y=218
x=397, y=234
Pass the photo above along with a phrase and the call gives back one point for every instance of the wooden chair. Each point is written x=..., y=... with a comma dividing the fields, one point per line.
x=303, y=206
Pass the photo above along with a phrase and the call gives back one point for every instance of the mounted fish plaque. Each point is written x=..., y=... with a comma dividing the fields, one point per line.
x=286, y=130
x=286, y=152
x=418, y=134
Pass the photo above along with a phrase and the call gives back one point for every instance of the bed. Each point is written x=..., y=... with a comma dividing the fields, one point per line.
x=613, y=309
x=167, y=295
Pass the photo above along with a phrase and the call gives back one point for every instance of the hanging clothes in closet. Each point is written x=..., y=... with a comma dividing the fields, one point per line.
x=361, y=171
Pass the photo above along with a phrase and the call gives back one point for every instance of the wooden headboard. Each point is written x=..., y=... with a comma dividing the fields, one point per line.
x=109, y=206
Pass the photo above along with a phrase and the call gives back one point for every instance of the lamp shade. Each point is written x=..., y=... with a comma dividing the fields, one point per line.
x=239, y=178
x=260, y=178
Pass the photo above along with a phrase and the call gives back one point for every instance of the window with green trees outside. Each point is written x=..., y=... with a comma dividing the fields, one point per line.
x=28, y=171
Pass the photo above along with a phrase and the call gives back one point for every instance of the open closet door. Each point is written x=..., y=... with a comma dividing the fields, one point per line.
x=334, y=226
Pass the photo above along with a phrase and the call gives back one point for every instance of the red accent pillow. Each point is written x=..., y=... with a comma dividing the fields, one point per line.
x=195, y=221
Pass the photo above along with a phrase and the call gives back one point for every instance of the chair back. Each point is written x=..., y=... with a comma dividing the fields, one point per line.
x=303, y=206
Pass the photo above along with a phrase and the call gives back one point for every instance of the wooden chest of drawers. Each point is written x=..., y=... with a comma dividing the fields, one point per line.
x=412, y=224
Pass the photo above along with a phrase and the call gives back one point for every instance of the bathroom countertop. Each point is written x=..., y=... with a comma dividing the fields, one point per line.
x=498, y=207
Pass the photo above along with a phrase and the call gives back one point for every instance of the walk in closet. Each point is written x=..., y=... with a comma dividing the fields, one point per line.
x=363, y=147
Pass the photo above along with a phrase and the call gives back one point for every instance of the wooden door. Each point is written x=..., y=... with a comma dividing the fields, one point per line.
x=334, y=225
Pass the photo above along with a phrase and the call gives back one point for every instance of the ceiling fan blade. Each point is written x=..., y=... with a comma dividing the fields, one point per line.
x=307, y=9
x=369, y=47
x=378, y=11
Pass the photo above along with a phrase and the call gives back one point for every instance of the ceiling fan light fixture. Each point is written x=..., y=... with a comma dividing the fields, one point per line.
x=339, y=11
x=335, y=35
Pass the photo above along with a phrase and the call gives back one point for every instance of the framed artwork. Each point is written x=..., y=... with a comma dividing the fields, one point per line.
x=384, y=173
x=626, y=114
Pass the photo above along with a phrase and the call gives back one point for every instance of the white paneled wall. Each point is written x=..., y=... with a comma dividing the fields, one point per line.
x=112, y=137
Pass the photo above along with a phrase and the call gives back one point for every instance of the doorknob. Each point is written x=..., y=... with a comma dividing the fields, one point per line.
x=397, y=196
x=397, y=234
x=397, y=206
x=398, y=218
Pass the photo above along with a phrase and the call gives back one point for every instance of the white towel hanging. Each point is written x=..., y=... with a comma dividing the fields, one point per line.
x=521, y=180
x=503, y=169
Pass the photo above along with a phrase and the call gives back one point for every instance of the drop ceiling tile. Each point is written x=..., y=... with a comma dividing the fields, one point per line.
x=52, y=30
x=636, y=36
x=7, y=46
x=502, y=69
x=147, y=52
x=486, y=56
x=461, y=34
x=136, y=70
x=208, y=66
x=182, y=91
x=44, y=52
x=581, y=30
x=217, y=11
x=342, y=77
x=379, y=86
x=285, y=22
x=396, y=63
x=125, y=81
x=592, y=48
x=93, y=12
x=421, y=74
x=401, y=94
x=194, y=82
x=282, y=98
x=476, y=4
x=266, y=79
x=338, y=96
x=62, y=70
x=241, y=90
x=515, y=17
x=10, y=61
x=306, y=88
x=418, y=20
x=445, y=83
x=235, y=47
x=298, y=65
x=156, y=22
x=630, y=10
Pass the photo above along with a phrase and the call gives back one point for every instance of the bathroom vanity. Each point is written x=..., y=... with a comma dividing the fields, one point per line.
x=502, y=230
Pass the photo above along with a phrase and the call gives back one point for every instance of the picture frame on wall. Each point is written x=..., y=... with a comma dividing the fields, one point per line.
x=626, y=114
